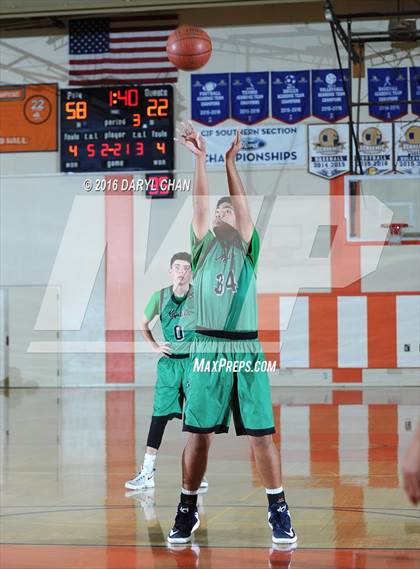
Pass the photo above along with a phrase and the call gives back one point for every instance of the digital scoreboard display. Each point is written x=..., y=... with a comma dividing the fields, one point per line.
x=117, y=128
x=160, y=186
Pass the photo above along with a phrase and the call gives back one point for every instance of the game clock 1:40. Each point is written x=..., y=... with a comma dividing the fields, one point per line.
x=117, y=128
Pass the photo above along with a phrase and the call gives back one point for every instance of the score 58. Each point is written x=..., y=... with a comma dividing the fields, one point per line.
x=76, y=110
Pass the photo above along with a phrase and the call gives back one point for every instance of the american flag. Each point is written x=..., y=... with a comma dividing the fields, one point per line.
x=121, y=50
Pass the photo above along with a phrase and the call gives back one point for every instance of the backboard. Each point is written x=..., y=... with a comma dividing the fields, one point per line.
x=374, y=205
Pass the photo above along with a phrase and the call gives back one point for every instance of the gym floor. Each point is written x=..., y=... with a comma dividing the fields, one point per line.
x=66, y=454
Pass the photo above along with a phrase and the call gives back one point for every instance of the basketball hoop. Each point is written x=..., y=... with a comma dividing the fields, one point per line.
x=395, y=232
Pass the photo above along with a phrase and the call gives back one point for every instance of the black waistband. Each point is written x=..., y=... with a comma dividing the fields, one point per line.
x=179, y=356
x=252, y=335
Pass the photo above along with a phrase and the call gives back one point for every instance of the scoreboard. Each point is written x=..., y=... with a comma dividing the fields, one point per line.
x=117, y=128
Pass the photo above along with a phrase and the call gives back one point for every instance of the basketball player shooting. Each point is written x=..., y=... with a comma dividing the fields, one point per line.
x=226, y=355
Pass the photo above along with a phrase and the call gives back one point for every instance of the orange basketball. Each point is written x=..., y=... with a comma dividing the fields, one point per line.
x=188, y=48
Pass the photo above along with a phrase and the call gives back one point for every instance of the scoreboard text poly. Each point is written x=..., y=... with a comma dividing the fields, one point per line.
x=117, y=128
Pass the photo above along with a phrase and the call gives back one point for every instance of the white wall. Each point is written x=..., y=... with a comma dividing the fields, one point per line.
x=35, y=207
x=4, y=350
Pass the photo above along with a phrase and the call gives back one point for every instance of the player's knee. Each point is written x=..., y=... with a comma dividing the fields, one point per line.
x=263, y=442
x=200, y=442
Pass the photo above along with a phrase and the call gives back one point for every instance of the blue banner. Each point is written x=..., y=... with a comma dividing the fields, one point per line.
x=249, y=96
x=415, y=89
x=290, y=96
x=210, y=98
x=385, y=85
x=329, y=101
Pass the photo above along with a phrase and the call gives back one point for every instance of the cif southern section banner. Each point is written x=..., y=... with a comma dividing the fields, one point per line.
x=210, y=98
x=375, y=147
x=407, y=147
x=388, y=87
x=28, y=118
x=329, y=94
x=415, y=89
x=264, y=146
x=290, y=96
x=328, y=150
x=249, y=96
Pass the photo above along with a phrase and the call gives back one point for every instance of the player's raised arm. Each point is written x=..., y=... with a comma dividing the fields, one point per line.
x=244, y=222
x=189, y=138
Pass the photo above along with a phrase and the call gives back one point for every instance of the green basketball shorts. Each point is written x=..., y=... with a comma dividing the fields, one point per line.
x=228, y=377
x=170, y=387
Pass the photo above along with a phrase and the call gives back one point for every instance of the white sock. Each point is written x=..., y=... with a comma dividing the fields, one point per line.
x=274, y=490
x=189, y=492
x=149, y=462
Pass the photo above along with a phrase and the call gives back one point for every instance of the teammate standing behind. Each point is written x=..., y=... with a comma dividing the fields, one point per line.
x=224, y=264
x=175, y=307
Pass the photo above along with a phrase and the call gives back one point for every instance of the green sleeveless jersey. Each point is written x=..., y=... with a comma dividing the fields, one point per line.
x=176, y=316
x=225, y=282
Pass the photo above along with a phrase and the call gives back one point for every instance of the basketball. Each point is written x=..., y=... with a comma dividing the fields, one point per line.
x=189, y=48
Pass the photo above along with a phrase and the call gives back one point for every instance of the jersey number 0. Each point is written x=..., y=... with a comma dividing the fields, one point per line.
x=178, y=332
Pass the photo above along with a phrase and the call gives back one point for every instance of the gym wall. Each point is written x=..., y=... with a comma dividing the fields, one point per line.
x=37, y=203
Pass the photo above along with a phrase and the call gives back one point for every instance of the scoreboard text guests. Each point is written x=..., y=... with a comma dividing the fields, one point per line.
x=117, y=128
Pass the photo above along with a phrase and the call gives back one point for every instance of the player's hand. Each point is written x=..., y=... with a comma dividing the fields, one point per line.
x=163, y=349
x=411, y=469
x=234, y=147
x=188, y=137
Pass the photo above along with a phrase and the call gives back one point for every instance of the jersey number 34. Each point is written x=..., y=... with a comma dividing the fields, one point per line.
x=222, y=285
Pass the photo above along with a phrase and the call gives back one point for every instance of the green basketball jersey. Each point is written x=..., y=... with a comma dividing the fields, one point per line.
x=224, y=282
x=176, y=316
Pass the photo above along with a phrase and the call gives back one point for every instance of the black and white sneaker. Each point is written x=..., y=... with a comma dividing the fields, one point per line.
x=186, y=522
x=143, y=479
x=280, y=522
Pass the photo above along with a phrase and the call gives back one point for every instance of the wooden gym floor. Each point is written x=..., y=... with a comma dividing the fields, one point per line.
x=66, y=454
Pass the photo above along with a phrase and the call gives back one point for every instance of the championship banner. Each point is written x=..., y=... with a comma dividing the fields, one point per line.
x=265, y=146
x=407, y=147
x=415, y=89
x=28, y=118
x=328, y=155
x=210, y=98
x=329, y=100
x=290, y=96
x=249, y=96
x=388, y=85
x=375, y=147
